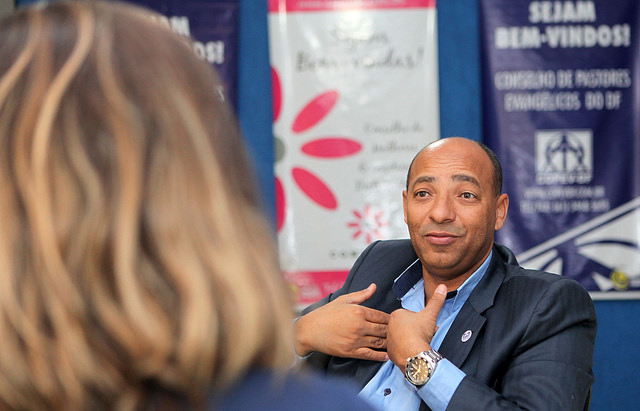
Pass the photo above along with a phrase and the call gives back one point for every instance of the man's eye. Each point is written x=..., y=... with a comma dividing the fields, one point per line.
x=468, y=196
x=422, y=193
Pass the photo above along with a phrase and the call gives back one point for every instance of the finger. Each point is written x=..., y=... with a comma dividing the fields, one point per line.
x=375, y=330
x=371, y=355
x=375, y=316
x=434, y=305
x=374, y=342
x=360, y=296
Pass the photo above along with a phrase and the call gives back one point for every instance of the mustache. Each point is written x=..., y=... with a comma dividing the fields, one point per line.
x=432, y=228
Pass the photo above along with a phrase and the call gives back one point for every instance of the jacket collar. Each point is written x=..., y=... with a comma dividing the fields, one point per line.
x=409, y=277
x=483, y=297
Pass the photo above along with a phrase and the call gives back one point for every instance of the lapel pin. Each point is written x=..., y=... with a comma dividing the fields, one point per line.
x=465, y=337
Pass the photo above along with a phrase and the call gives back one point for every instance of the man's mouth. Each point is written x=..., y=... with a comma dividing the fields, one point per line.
x=440, y=237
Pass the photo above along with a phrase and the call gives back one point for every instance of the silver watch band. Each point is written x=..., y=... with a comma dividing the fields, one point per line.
x=435, y=355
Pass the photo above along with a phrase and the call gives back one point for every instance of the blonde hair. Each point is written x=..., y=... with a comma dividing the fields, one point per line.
x=134, y=256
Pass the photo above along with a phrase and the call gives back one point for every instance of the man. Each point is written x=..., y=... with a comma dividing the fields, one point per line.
x=491, y=335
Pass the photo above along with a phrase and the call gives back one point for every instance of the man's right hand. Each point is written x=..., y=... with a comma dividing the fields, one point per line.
x=342, y=328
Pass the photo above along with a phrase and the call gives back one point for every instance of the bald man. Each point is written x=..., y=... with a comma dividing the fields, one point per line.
x=448, y=319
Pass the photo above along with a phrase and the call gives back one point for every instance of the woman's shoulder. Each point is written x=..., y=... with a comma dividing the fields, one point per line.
x=265, y=390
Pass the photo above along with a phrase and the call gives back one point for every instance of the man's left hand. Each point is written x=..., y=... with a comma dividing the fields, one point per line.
x=409, y=333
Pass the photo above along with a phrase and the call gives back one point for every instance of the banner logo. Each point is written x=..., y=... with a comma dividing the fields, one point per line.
x=603, y=253
x=564, y=157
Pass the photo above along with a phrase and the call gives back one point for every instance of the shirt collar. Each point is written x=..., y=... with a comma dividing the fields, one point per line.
x=470, y=283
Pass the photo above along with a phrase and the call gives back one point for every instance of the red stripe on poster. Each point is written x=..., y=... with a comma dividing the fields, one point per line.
x=333, y=5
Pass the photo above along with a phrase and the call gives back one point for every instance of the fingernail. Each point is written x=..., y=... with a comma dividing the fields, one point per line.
x=441, y=289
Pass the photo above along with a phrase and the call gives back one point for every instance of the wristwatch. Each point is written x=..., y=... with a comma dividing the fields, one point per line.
x=421, y=367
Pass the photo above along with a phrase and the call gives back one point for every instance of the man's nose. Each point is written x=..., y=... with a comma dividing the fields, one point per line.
x=442, y=210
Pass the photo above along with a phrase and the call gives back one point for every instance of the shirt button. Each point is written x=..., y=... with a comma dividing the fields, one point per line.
x=387, y=391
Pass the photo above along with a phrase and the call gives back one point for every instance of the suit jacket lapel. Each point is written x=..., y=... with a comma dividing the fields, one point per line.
x=462, y=335
x=456, y=346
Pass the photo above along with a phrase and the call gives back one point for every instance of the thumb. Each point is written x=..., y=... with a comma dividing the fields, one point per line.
x=434, y=305
x=360, y=296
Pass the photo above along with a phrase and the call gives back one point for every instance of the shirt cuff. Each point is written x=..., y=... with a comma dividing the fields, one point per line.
x=437, y=392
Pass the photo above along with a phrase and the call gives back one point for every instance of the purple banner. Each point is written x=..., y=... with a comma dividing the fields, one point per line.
x=561, y=83
x=214, y=26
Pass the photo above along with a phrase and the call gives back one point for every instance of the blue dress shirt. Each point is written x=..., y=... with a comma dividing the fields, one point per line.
x=388, y=389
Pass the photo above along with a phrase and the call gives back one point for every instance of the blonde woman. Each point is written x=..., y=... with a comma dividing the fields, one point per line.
x=136, y=268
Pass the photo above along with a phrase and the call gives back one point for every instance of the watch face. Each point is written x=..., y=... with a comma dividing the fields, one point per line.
x=418, y=371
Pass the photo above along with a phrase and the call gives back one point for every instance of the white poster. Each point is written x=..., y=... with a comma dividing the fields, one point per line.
x=355, y=88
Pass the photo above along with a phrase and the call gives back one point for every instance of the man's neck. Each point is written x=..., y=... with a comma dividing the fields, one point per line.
x=431, y=282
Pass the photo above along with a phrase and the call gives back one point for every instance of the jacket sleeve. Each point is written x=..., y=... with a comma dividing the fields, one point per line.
x=551, y=366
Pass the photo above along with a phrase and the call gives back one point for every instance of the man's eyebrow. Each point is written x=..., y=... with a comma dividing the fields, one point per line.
x=466, y=178
x=423, y=179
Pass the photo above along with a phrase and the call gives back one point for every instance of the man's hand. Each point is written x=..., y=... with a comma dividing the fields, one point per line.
x=410, y=333
x=343, y=328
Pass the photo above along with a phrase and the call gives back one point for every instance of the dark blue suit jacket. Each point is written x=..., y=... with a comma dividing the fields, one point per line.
x=532, y=339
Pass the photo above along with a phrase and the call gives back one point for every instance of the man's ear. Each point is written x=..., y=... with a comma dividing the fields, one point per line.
x=404, y=204
x=502, y=206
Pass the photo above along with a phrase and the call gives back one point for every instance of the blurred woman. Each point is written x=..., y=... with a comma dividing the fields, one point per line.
x=137, y=270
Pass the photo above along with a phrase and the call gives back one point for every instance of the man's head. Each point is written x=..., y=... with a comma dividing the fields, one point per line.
x=453, y=205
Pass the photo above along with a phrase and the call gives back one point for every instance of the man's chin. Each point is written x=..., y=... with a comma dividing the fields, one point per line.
x=440, y=251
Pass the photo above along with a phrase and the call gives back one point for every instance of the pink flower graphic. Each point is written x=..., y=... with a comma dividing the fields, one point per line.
x=324, y=147
x=368, y=224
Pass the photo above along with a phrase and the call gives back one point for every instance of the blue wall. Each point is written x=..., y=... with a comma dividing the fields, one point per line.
x=617, y=353
x=254, y=93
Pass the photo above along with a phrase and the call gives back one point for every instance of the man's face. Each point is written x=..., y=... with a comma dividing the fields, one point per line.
x=451, y=208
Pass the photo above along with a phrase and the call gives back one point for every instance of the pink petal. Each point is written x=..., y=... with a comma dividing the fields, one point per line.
x=332, y=147
x=315, y=111
x=314, y=188
x=277, y=94
x=281, y=205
